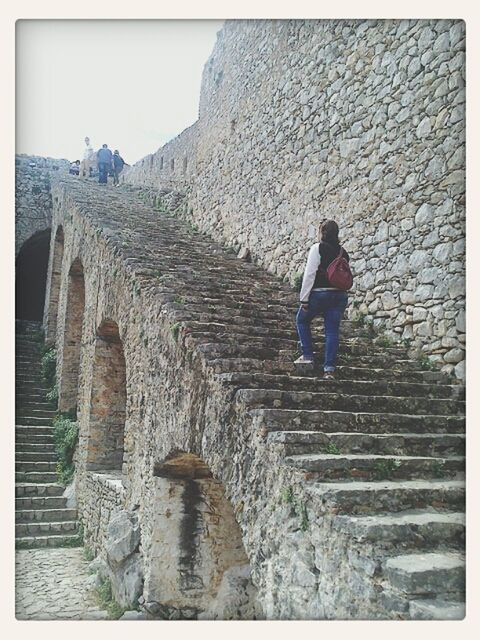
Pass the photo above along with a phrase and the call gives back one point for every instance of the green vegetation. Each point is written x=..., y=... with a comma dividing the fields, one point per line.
x=38, y=336
x=298, y=506
x=384, y=469
x=49, y=365
x=106, y=600
x=426, y=364
x=438, y=468
x=384, y=341
x=175, y=330
x=332, y=449
x=52, y=395
x=88, y=554
x=65, y=435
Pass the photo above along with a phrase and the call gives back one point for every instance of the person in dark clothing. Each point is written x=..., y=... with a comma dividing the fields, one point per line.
x=118, y=164
x=104, y=161
x=318, y=297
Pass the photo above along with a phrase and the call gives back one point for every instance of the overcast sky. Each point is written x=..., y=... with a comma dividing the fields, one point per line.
x=132, y=84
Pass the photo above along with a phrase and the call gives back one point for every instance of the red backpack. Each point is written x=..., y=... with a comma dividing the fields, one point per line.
x=339, y=274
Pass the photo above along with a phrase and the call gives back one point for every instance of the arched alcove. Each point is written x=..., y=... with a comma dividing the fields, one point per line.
x=72, y=338
x=197, y=550
x=108, y=401
x=55, y=282
x=31, y=277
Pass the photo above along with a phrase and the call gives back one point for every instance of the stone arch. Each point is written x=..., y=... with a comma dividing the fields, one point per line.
x=51, y=310
x=72, y=338
x=108, y=401
x=197, y=552
x=31, y=277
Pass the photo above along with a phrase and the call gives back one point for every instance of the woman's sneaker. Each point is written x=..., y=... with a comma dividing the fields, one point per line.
x=328, y=375
x=304, y=360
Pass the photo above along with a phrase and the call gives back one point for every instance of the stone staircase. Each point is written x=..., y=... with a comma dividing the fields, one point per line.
x=42, y=518
x=380, y=449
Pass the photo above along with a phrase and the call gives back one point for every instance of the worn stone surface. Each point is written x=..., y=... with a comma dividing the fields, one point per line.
x=53, y=584
x=351, y=120
x=208, y=375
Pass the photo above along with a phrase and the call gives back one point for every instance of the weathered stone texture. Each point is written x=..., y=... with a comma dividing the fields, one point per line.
x=33, y=205
x=202, y=385
x=360, y=121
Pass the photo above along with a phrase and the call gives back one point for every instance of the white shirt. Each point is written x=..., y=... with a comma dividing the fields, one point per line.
x=313, y=262
x=88, y=154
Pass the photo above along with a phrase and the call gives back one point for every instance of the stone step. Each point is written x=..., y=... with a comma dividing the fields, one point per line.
x=356, y=387
x=249, y=365
x=66, y=540
x=33, y=421
x=34, y=448
x=40, y=439
x=387, y=496
x=32, y=529
x=22, y=456
x=406, y=529
x=334, y=467
x=28, y=477
x=33, y=430
x=41, y=503
x=36, y=413
x=362, y=422
x=426, y=573
x=348, y=402
x=33, y=489
x=217, y=350
x=436, y=610
x=34, y=466
x=291, y=345
x=45, y=515
x=414, y=444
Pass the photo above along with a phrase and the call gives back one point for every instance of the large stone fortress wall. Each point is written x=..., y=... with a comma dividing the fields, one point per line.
x=362, y=121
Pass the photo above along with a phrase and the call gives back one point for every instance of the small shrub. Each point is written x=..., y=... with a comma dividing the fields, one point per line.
x=38, y=336
x=65, y=435
x=52, y=395
x=107, y=602
x=426, y=364
x=49, y=365
x=332, y=449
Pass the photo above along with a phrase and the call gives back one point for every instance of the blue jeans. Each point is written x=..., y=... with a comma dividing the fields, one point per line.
x=330, y=304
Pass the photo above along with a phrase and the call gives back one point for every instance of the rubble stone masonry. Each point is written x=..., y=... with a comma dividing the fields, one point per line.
x=360, y=121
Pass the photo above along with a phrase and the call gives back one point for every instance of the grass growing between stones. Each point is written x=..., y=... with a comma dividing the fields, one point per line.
x=106, y=600
x=298, y=506
x=65, y=435
x=88, y=553
x=384, y=469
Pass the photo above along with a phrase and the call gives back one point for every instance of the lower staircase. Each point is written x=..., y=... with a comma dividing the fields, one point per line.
x=42, y=518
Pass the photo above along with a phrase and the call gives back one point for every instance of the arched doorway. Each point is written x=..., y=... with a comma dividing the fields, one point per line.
x=68, y=384
x=197, y=558
x=31, y=277
x=108, y=401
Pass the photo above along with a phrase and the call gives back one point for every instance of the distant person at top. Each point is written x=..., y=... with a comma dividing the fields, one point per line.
x=104, y=160
x=319, y=296
x=88, y=161
x=75, y=168
x=118, y=164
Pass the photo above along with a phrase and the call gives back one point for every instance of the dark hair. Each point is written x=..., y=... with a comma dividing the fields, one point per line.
x=105, y=146
x=329, y=231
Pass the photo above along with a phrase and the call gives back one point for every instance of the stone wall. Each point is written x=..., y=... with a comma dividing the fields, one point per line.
x=175, y=403
x=33, y=206
x=360, y=121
